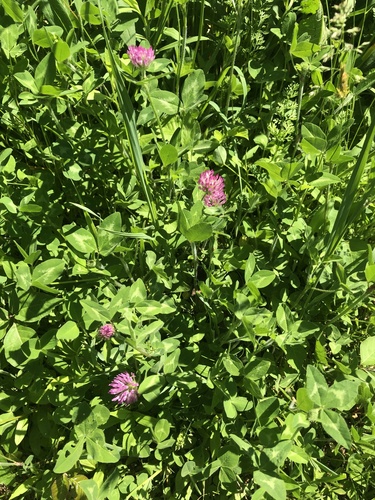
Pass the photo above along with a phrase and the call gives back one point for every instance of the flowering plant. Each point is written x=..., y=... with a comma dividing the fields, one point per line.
x=125, y=387
x=213, y=185
x=140, y=56
x=107, y=331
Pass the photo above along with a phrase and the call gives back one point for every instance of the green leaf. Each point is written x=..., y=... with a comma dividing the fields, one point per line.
x=9, y=205
x=137, y=292
x=198, y=232
x=171, y=362
x=310, y=6
x=68, y=457
x=13, y=10
x=151, y=386
x=45, y=72
x=21, y=430
x=153, y=308
x=256, y=368
x=273, y=485
x=90, y=489
x=27, y=80
x=82, y=241
x=23, y=276
x=263, y=278
x=336, y=427
x=324, y=179
x=232, y=365
x=61, y=51
x=16, y=336
x=108, y=233
x=90, y=13
x=341, y=395
x=164, y=102
x=367, y=352
x=69, y=331
x=46, y=36
x=316, y=385
x=47, y=272
x=267, y=409
x=95, y=311
x=168, y=154
x=192, y=92
x=96, y=449
x=369, y=272
x=161, y=430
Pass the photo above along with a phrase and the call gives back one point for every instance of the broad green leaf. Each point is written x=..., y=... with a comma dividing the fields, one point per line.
x=82, y=241
x=232, y=365
x=9, y=205
x=316, y=385
x=109, y=233
x=168, y=154
x=164, y=101
x=304, y=402
x=193, y=89
x=151, y=386
x=256, y=368
x=58, y=12
x=46, y=36
x=367, y=352
x=95, y=311
x=137, y=292
x=190, y=469
x=336, y=427
x=263, y=278
x=273, y=485
x=23, y=275
x=171, y=362
x=68, y=457
x=272, y=168
x=228, y=459
x=16, y=336
x=369, y=272
x=90, y=13
x=341, y=395
x=35, y=306
x=267, y=409
x=153, y=308
x=97, y=450
x=48, y=271
x=230, y=409
x=61, y=51
x=279, y=453
x=45, y=72
x=21, y=431
x=13, y=10
x=69, y=331
x=161, y=430
x=27, y=80
x=198, y=232
x=324, y=179
x=90, y=489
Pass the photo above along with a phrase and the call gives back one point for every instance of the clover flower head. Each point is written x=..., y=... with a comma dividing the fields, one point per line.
x=140, y=57
x=107, y=331
x=125, y=388
x=213, y=185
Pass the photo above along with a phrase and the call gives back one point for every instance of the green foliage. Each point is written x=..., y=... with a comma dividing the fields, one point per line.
x=249, y=327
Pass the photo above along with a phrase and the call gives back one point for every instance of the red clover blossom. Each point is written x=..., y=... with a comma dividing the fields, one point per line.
x=140, y=56
x=213, y=185
x=125, y=388
x=107, y=331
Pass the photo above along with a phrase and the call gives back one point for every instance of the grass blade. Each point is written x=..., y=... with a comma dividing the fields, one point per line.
x=345, y=215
